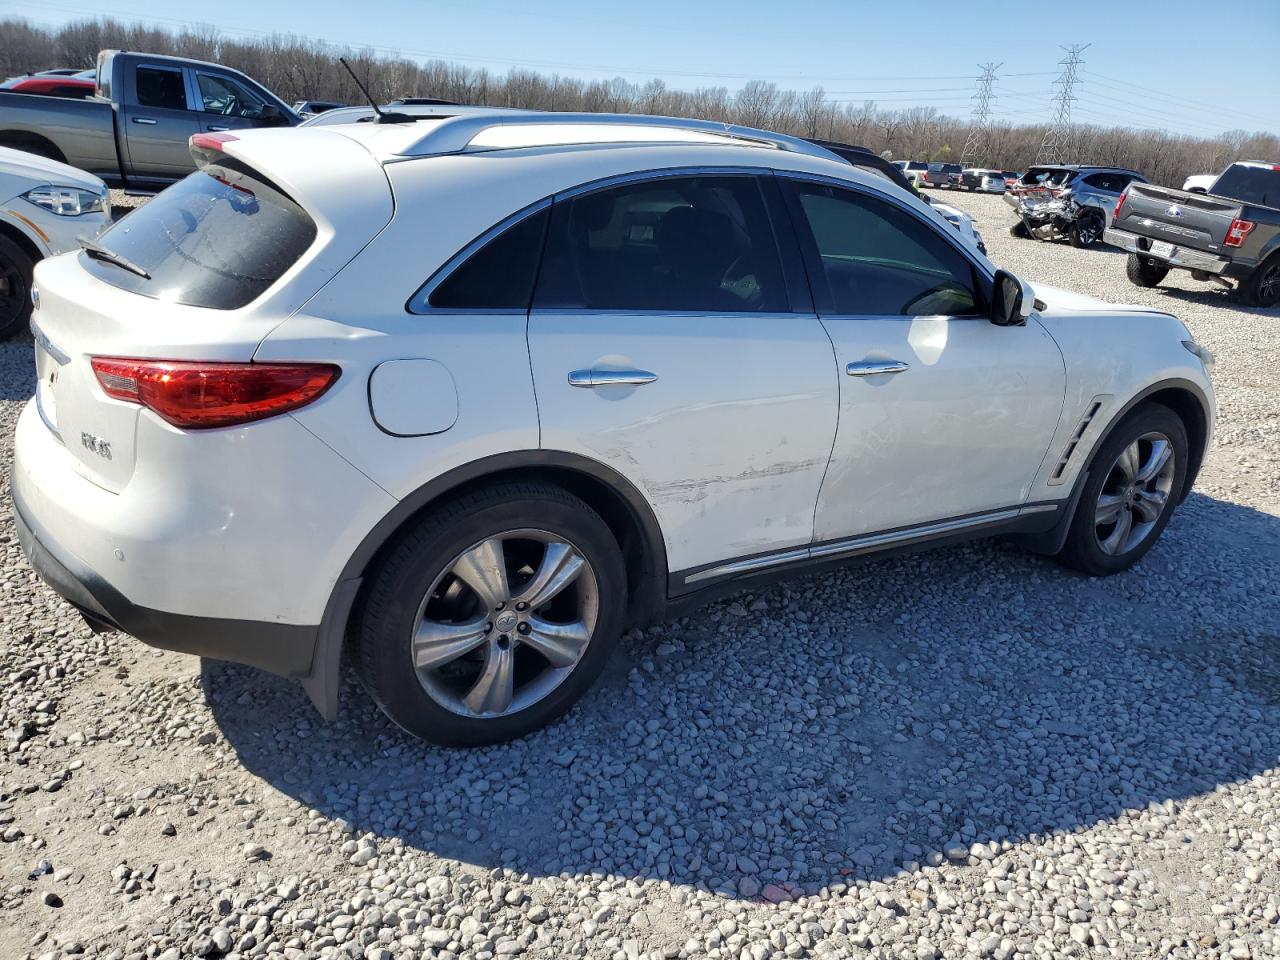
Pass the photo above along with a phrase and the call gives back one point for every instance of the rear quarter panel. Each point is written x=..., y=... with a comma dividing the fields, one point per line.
x=83, y=130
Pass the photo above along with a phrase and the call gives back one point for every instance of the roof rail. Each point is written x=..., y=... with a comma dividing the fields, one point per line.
x=516, y=129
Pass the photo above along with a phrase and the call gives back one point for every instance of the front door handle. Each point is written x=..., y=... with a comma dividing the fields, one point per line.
x=610, y=378
x=869, y=368
x=147, y=120
x=218, y=129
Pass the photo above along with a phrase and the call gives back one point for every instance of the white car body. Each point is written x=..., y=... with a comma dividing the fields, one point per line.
x=750, y=451
x=992, y=180
x=1200, y=182
x=48, y=232
x=963, y=224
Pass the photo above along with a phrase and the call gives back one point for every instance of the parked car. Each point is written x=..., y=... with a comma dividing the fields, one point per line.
x=312, y=108
x=44, y=206
x=941, y=175
x=913, y=170
x=75, y=85
x=134, y=133
x=1230, y=233
x=1199, y=182
x=472, y=454
x=1071, y=202
x=982, y=181
x=963, y=223
x=1010, y=177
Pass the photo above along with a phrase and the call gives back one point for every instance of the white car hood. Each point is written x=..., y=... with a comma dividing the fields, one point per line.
x=1056, y=298
x=41, y=170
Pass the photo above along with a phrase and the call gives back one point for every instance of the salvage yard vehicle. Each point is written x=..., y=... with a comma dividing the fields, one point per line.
x=1070, y=202
x=134, y=133
x=275, y=417
x=53, y=83
x=1232, y=232
x=982, y=181
x=44, y=207
x=941, y=176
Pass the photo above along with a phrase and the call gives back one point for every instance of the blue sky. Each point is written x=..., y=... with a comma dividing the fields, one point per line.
x=1177, y=65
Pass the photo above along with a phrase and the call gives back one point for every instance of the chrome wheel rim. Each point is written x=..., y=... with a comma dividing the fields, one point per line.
x=1269, y=286
x=505, y=623
x=1134, y=494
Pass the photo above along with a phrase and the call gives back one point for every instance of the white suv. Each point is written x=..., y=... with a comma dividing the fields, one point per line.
x=469, y=394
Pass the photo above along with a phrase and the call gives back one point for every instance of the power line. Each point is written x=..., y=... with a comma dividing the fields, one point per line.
x=977, y=143
x=1058, y=143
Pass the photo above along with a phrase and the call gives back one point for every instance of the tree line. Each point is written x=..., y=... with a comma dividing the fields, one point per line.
x=301, y=68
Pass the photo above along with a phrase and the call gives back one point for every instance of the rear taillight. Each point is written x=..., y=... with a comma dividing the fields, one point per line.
x=1115, y=214
x=1236, y=233
x=202, y=395
x=205, y=147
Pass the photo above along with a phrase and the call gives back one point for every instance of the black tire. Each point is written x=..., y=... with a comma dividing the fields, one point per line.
x=1145, y=272
x=1262, y=287
x=1087, y=230
x=423, y=554
x=1082, y=550
x=1020, y=231
x=16, y=267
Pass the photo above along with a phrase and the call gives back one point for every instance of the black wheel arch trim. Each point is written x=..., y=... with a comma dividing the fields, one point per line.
x=648, y=598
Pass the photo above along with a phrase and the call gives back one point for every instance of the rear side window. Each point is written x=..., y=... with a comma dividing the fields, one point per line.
x=881, y=261
x=500, y=275
x=217, y=239
x=702, y=244
x=159, y=87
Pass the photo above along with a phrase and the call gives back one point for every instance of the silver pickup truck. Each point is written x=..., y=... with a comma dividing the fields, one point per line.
x=1232, y=232
x=133, y=132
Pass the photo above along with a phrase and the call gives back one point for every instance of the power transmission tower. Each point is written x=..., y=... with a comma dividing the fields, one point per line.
x=1058, y=145
x=977, y=143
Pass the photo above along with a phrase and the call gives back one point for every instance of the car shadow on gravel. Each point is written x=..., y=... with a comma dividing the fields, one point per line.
x=892, y=712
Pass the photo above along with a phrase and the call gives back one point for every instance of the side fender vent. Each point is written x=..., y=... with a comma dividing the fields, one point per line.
x=1059, y=472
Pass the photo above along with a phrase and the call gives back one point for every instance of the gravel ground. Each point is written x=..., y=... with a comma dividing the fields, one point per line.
x=962, y=753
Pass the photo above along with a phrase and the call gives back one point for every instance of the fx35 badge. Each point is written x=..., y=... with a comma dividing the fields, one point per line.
x=99, y=446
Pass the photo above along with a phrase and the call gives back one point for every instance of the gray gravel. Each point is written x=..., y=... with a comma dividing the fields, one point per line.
x=963, y=753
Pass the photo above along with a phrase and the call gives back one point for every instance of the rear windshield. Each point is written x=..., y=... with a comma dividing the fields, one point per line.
x=1256, y=185
x=217, y=239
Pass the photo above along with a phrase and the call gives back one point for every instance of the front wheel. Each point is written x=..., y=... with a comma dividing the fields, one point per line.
x=492, y=615
x=1262, y=287
x=1145, y=272
x=1020, y=231
x=1135, y=479
x=16, y=267
x=1087, y=230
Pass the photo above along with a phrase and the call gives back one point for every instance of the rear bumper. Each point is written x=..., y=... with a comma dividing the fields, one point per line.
x=1182, y=257
x=284, y=649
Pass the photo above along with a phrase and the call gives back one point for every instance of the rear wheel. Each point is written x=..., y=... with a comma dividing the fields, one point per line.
x=1145, y=272
x=1134, y=480
x=1087, y=230
x=1020, y=231
x=493, y=615
x=1262, y=287
x=16, y=267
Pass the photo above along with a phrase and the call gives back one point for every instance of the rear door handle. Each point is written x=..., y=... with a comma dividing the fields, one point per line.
x=147, y=120
x=869, y=368
x=610, y=378
x=218, y=129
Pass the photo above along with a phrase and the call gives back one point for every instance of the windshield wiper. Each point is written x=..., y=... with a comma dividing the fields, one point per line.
x=99, y=252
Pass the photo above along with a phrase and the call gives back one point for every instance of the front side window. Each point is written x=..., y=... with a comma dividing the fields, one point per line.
x=226, y=97
x=161, y=87
x=879, y=260
x=699, y=243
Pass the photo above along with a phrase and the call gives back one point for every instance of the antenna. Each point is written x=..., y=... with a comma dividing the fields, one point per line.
x=381, y=116
x=976, y=145
x=1059, y=140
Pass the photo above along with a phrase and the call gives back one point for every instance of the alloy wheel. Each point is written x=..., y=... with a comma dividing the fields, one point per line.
x=13, y=292
x=1135, y=494
x=1269, y=284
x=505, y=623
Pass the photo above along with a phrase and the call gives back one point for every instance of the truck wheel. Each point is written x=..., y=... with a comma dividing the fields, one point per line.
x=16, y=267
x=1145, y=272
x=492, y=615
x=1020, y=231
x=1087, y=230
x=1262, y=287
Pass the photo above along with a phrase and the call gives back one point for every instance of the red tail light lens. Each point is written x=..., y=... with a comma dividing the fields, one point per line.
x=1115, y=214
x=1236, y=233
x=202, y=395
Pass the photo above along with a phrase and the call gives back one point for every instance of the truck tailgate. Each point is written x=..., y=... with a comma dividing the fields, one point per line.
x=1193, y=220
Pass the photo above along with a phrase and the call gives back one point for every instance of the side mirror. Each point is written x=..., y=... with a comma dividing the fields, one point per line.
x=271, y=115
x=1012, y=300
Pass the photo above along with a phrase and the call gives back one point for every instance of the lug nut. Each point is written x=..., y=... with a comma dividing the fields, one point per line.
x=522, y=605
x=500, y=605
x=523, y=628
x=488, y=628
